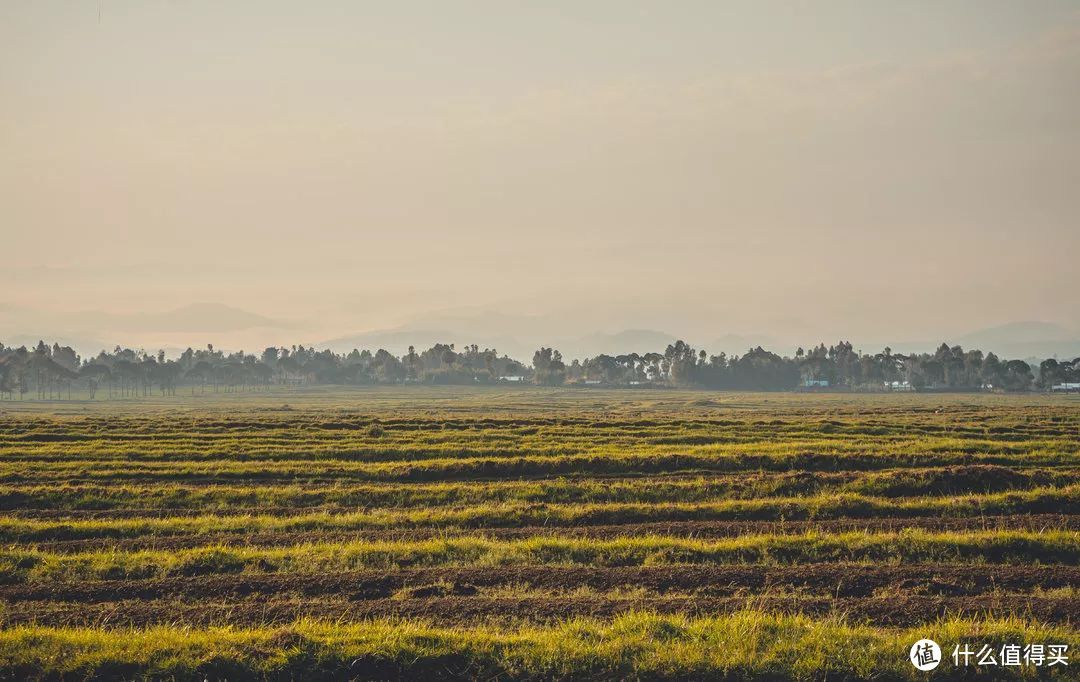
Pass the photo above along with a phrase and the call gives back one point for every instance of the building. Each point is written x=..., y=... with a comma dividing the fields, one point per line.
x=1068, y=387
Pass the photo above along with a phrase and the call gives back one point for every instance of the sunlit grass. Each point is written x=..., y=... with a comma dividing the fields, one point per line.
x=508, y=515
x=906, y=546
x=906, y=482
x=171, y=489
x=744, y=645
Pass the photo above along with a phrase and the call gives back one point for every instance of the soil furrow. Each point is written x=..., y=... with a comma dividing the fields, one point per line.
x=834, y=580
x=883, y=611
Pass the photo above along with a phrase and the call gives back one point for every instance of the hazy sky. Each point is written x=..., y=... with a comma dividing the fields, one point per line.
x=882, y=170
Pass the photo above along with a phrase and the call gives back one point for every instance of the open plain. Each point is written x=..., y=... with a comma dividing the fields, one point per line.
x=447, y=532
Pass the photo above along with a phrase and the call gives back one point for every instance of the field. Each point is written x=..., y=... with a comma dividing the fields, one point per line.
x=492, y=533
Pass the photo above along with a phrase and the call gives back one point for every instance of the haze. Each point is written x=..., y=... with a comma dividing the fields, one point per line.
x=884, y=171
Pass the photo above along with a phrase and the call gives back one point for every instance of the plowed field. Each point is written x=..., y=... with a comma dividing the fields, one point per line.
x=476, y=523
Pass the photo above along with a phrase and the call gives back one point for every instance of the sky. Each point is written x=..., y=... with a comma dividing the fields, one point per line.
x=174, y=172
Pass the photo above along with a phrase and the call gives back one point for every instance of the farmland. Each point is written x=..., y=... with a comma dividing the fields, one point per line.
x=450, y=532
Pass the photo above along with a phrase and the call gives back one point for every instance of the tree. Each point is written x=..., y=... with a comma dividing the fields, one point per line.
x=414, y=366
x=682, y=363
x=1051, y=372
x=549, y=367
x=1018, y=375
x=94, y=373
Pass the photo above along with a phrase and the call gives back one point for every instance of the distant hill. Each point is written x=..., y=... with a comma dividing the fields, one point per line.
x=1020, y=332
x=83, y=346
x=1018, y=340
x=193, y=318
x=618, y=343
x=737, y=344
x=90, y=331
x=398, y=340
x=204, y=317
x=1025, y=340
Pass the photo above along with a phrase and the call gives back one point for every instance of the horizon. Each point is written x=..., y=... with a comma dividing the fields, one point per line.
x=1031, y=341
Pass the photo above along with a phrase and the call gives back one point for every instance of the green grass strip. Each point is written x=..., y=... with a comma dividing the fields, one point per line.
x=935, y=481
x=1051, y=547
x=507, y=515
x=742, y=646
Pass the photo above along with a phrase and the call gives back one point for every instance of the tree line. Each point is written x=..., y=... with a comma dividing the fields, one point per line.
x=54, y=372
x=838, y=366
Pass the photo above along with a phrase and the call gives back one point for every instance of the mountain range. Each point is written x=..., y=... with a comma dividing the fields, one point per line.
x=1023, y=340
x=515, y=335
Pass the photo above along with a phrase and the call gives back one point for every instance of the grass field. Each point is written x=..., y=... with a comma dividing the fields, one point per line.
x=486, y=533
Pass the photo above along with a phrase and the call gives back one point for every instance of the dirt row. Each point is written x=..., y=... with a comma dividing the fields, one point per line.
x=289, y=420
x=697, y=529
x=836, y=580
x=478, y=470
x=899, y=610
x=899, y=483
